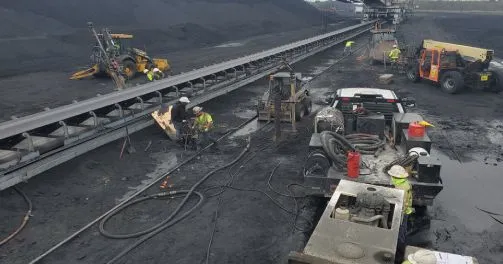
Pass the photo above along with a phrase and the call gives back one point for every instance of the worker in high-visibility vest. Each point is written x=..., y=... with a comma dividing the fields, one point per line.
x=399, y=180
x=150, y=74
x=394, y=54
x=348, y=47
x=203, y=124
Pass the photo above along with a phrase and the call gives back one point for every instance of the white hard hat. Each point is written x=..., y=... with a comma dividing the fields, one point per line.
x=422, y=256
x=184, y=99
x=145, y=71
x=156, y=69
x=394, y=46
x=398, y=171
x=197, y=109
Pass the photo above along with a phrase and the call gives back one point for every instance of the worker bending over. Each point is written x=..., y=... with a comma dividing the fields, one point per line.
x=150, y=74
x=203, y=125
x=179, y=116
x=349, y=47
x=399, y=180
x=394, y=54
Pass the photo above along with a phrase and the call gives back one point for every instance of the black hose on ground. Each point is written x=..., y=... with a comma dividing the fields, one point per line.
x=150, y=232
x=25, y=218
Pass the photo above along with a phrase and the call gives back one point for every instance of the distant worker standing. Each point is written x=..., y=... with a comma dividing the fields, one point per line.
x=349, y=47
x=394, y=54
x=399, y=180
x=150, y=75
x=203, y=124
x=179, y=115
x=158, y=74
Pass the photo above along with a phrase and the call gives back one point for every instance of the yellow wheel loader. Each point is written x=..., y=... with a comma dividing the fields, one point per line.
x=117, y=50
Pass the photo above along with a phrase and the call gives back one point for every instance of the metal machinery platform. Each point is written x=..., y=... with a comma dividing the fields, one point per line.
x=32, y=144
x=350, y=233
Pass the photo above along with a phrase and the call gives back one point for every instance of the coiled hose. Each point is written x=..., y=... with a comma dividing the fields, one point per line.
x=336, y=146
x=366, y=143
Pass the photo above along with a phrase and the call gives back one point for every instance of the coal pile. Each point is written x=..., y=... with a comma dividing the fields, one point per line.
x=40, y=36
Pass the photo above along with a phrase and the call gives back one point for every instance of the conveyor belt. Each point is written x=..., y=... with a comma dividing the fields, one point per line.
x=32, y=144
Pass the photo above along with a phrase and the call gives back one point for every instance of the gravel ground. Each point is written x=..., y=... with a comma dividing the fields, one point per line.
x=250, y=229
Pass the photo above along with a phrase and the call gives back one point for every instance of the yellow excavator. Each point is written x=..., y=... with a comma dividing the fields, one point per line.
x=113, y=55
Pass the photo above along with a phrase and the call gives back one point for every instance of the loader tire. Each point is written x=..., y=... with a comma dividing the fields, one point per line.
x=452, y=82
x=497, y=82
x=413, y=73
x=128, y=69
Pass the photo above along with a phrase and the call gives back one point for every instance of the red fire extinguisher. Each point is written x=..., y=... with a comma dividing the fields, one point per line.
x=353, y=164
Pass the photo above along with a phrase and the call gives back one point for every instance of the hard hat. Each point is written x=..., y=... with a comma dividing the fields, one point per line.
x=145, y=71
x=398, y=171
x=156, y=69
x=394, y=46
x=419, y=151
x=184, y=99
x=422, y=256
x=197, y=109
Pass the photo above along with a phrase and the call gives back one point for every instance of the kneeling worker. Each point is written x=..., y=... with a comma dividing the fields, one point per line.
x=158, y=74
x=399, y=180
x=203, y=124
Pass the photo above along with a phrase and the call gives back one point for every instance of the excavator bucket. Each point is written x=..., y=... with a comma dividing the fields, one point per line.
x=85, y=73
x=164, y=121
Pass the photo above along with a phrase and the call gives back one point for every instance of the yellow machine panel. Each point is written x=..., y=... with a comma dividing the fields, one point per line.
x=467, y=51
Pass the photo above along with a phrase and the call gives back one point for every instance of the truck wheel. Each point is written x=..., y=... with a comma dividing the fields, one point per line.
x=413, y=74
x=308, y=106
x=299, y=111
x=452, y=82
x=317, y=163
x=128, y=69
x=497, y=82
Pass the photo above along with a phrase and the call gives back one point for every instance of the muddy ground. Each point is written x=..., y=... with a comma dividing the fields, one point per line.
x=250, y=228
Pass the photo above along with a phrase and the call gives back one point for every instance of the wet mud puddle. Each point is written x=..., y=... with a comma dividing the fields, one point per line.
x=471, y=185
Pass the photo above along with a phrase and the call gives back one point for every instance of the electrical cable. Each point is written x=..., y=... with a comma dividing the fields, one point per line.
x=96, y=220
x=150, y=232
x=25, y=218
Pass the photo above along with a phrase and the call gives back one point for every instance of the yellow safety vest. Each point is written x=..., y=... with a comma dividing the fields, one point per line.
x=394, y=54
x=403, y=184
x=349, y=43
x=204, y=122
x=150, y=75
